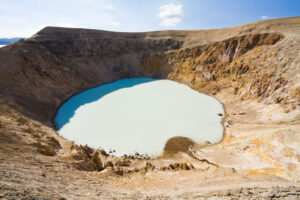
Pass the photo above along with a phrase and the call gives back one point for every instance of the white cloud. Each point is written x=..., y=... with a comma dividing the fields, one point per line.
x=265, y=17
x=171, y=14
x=108, y=7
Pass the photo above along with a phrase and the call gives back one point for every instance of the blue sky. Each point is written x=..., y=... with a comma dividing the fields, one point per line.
x=25, y=17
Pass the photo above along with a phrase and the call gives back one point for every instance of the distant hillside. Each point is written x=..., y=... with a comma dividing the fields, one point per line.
x=6, y=41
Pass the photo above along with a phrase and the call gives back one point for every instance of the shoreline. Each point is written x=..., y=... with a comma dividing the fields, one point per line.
x=203, y=143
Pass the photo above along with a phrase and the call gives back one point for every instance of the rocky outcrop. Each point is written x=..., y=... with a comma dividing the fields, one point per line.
x=87, y=159
x=225, y=61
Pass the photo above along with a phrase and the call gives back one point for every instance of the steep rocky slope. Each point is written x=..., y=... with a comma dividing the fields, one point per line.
x=252, y=69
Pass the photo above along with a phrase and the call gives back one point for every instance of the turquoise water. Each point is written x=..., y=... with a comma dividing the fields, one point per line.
x=139, y=115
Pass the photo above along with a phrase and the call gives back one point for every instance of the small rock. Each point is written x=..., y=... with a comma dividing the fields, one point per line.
x=109, y=164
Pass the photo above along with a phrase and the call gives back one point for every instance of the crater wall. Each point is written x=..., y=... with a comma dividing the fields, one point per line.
x=40, y=73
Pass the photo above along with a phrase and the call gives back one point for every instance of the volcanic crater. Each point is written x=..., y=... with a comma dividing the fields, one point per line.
x=252, y=69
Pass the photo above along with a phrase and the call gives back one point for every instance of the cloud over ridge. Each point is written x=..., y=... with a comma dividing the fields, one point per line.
x=171, y=14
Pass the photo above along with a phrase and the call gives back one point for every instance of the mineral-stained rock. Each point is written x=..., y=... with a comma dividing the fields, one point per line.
x=119, y=171
x=82, y=151
x=103, y=152
x=147, y=167
x=178, y=166
x=109, y=164
x=295, y=93
x=92, y=164
x=184, y=166
x=52, y=142
x=86, y=158
x=123, y=162
x=95, y=160
x=44, y=149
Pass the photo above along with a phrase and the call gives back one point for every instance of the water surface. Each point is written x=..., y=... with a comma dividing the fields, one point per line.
x=139, y=115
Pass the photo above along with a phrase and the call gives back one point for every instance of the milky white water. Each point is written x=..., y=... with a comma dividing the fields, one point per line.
x=139, y=115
